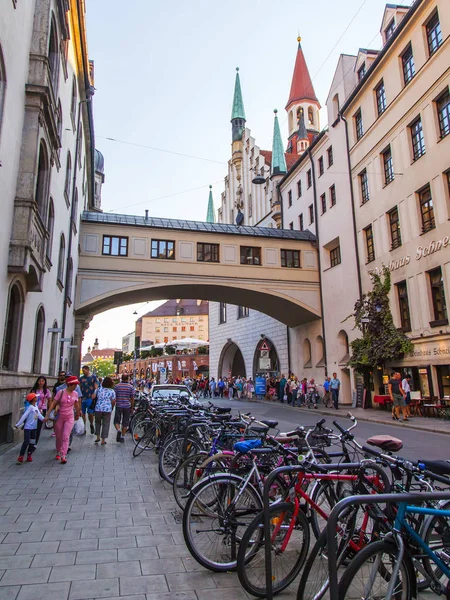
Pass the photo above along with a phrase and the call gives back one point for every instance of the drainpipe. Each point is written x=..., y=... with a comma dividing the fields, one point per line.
x=288, y=331
x=352, y=197
x=316, y=214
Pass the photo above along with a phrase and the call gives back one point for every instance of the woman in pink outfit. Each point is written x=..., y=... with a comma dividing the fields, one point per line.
x=66, y=402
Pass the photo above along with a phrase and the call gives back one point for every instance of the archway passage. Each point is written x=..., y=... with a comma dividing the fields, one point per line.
x=231, y=362
x=265, y=360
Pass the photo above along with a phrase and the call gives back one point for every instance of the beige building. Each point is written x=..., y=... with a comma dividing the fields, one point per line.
x=174, y=320
x=399, y=140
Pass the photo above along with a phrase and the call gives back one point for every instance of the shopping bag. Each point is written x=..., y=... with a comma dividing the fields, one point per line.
x=78, y=428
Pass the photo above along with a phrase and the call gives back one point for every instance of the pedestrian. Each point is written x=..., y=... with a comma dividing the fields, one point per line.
x=282, y=385
x=250, y=389
x=397, y=396
x=104, y=404
x=294, y=390
x=44, y=396
x=327, y=391
x=124, y=406
x=60, y=381
x=312, y=392
x=335, y=386
x=66, y=403
x=63, y=386
x=406, y=385
x=30, y=418
x=239, y=387
x=212, y=388
x=221, y=387
x=88, y=384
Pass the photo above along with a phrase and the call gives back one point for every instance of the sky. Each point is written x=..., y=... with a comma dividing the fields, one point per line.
x=164, y=79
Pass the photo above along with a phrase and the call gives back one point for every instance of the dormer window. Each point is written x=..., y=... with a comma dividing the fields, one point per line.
x=361, y=71
x=389, y=31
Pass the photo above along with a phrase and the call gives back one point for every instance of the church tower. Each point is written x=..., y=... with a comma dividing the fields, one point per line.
x=210, y=215
x=302, y=107
x=277, y=170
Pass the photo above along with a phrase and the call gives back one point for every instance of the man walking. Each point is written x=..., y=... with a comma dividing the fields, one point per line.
x=124, y=406
x=326, y=391
x=397, y=396
x=406, y=385
x=89, y=386
x=335, y=386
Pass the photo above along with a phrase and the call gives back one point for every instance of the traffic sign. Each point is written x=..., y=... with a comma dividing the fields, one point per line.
x=264, y=346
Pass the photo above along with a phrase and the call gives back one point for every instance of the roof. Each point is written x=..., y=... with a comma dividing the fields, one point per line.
x=196, y=226
x=301, y=86
x=237, y=111
x=188, y=307
x=288, y=156
x=99, y=352
x=300, y=157
x=210, y=214
x=278, y=166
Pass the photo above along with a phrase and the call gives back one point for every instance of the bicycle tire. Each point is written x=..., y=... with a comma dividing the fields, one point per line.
x=211, y=505
x=170, y=456
x=432, y=533
x=286, y=563
x=185, y=478
x=380, y=556
x=147, y=442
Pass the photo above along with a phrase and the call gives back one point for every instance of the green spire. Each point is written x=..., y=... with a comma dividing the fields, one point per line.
x=278, y=158
x=210, y=212
x=238, y=111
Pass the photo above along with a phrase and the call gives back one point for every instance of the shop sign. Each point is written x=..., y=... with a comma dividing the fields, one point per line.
x=260, y=386
x=421, y=251
x=430, y=351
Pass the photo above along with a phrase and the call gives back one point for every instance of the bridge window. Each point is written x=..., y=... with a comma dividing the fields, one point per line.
x=163, y=249
x=222, y=313
x=115, y=246
x=290, y=258
x=243, y=312
x=207, y=252
x=250, y=255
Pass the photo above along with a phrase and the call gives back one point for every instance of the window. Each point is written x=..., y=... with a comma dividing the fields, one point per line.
x=394, y=227
x=166, y=339
x=434, y=34
x=300, y=222
x=174, y=329
x=320, y=163
x=426, y=209
x=335, y=256
x=388, y=166
x=308, y=178
x=163, y=249
x=323, y=203
x=115, y=246
x=157, y=340
x=42, y=180
x=50, y=227
x=299, y=188
x=408, y=67
x=165, y=329
x=73, y=105
x=207, y=252
x=74, y=212
x=290, y=198
x=418, y=142
x=330, y=156
x=443, y=109
x=403, y=303
x=53, y=57
x=291, y=225
x=69, y=279
x=243, y=312
x=311, y=214
x=166, y=320
x=310, y=115
x=183, y=328
x=61, y=259
x=222, y=313
x=191, y=328
x=53, y=358
x=59, y=121
x=250, y=255
x=380, y=94
x=68, y=178
x=364, y=185
x=438, y=297
x=359, y=125
x=389, y=31
x=2, y=87
x=361, y=71
x=38, y=341
x=332, y=195
x=13, y=328
x=290, y=259
x=370, y=247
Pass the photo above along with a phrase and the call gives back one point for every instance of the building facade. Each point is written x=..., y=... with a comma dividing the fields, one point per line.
x=46, y=180
x=128, y=342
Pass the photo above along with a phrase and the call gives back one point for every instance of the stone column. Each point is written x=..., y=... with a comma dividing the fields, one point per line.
x=81, y=324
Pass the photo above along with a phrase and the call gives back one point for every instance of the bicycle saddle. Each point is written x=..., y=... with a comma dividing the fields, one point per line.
x=223, y=410
x=386, y=442
x=440, y=467
x=257, y=429
x=269, y=423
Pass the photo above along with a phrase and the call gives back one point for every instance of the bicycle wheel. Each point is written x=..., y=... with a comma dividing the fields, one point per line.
x=369, y=574
x=185, y=477
x=436, y=533
x=289, y=548
x=146, y=442
x=324, y=495
x=177, y=449
x=216, y=516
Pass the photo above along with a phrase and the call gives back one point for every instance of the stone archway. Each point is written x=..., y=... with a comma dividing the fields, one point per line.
x=231, y=361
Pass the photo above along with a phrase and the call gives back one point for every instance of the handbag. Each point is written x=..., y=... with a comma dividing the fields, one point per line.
x=285, y=397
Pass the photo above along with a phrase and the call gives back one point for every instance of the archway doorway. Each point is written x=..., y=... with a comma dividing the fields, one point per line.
x=265, y=360
x=231, y=362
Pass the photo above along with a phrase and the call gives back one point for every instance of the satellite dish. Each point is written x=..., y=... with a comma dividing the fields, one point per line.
x=239, y=218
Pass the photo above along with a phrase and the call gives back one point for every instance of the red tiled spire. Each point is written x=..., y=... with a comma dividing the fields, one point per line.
x=301, y=87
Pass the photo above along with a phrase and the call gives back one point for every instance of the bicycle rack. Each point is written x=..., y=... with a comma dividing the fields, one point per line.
x=416, y=498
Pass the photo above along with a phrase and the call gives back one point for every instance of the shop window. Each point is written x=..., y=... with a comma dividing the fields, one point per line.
x=364, y=186
x=380, y=94
x=434, y=33
x=394, y=228
x=250, y=255
x=438, y=298
x=115, y=246
x=222, y=313
x=417, y=139
x=403, y=303
x=163, y=249
x=13, y=328
x=443, y=374
x=408, y=67
x=370, y=246
x=426, y=209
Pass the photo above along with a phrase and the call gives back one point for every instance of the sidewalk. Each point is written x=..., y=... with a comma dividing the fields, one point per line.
x=374, y=415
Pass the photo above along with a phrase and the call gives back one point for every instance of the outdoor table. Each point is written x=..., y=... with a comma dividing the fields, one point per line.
x=384, y=401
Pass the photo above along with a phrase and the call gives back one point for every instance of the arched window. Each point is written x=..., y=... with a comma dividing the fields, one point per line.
x=13, y=328
x=320, y=352
x=344, y=350
x=74, y=214
x=61, y=258
x=73, y=106
x=69, y=278
x=38, y=341
x=68, y=178
x=2, y=87
x=53, y=56
x=306, y=353
x=310, y=116
x=42, y=180
x=291, y=121
x=53, y=360
x=59, y=120
x=50, y=227
x=335, y=106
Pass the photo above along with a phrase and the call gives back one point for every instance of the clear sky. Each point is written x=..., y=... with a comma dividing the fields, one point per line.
x=164, y=78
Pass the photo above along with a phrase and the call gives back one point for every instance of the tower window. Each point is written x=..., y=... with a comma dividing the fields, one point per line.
x=310, y=116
